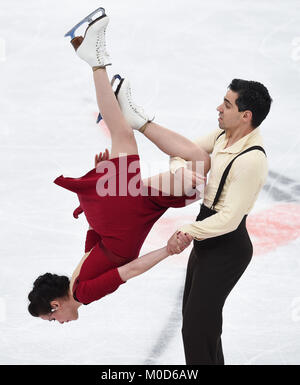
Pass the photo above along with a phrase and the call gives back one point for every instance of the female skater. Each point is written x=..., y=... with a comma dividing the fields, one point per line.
x=120, y=207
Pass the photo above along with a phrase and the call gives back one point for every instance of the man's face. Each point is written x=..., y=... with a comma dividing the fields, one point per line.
x=229, y=116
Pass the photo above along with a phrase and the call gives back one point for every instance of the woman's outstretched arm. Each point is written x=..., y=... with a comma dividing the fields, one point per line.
x=142, y=264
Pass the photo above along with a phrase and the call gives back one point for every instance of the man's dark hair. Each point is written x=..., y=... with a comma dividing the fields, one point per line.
x=46, y=288
x=252, y=96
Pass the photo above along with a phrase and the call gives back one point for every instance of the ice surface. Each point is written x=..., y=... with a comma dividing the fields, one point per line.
x=180, y=60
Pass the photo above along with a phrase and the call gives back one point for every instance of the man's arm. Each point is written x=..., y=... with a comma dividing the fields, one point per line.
x=248, y=175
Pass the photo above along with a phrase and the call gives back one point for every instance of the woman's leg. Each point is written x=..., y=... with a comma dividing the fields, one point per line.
x=177, y=184
x=123, y=140
x=172, y=143
x=166, y=140
x=175, y=144
x=122, y=137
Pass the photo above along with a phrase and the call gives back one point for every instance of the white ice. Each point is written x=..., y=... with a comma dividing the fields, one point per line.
x=180, y=58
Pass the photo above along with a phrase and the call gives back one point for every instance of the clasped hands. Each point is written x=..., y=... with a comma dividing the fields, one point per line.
x=178, y=242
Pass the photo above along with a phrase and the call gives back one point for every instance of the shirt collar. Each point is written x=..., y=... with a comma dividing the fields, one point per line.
x=241, y=143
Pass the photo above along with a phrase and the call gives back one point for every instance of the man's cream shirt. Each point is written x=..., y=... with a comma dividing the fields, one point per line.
x=246, y=177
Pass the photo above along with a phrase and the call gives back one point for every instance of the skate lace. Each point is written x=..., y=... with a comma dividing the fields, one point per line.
x=137, y=109
x=101, y=51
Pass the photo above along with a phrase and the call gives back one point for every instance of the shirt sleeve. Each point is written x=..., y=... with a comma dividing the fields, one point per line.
x=94, y=289
x=206, y=142
x=91, y=239
x=248, y=175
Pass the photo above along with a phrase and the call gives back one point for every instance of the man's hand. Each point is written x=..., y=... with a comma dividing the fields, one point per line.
x=178, y=242
x=102, y=156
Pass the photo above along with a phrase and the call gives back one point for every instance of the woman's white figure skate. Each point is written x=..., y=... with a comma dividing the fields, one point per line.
x=134, y=115
x=92, y=46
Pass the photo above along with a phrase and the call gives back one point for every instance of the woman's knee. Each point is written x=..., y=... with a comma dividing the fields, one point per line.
x=123, y=133
x=201, y=165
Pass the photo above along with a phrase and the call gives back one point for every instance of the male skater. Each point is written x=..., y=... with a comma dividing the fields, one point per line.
x=222, y=247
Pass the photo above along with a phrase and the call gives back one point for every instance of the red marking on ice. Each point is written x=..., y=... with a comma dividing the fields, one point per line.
x=103, y=126
x=268, y=228
x=274, y=227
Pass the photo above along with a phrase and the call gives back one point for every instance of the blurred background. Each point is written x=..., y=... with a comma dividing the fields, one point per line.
x=180, y=60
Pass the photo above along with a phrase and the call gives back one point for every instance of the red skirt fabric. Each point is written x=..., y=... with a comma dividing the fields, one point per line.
x=121, y=221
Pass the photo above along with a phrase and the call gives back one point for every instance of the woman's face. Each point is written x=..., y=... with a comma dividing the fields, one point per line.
x=63, y=310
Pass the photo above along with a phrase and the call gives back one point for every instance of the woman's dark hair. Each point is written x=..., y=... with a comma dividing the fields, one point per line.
x=46, y=288
x=253, y=96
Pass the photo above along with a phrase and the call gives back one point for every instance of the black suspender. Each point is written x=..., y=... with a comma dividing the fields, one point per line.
x=225, y=173
x=222, y=133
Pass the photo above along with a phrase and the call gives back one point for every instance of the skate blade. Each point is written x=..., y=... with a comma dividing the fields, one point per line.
x=114, y=78
x=99, y=118
x=87, y=19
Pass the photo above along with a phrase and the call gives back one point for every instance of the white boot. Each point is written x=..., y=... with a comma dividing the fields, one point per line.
x=92, y=47
x=134, y=115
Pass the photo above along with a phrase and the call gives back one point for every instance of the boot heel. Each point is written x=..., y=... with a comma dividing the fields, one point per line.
x=76, y=42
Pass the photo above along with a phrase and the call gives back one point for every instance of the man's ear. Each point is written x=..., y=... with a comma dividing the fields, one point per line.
x=247, y=115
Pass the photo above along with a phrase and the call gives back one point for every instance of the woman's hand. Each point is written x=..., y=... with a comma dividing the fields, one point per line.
x=178, y=242
x=102, y=156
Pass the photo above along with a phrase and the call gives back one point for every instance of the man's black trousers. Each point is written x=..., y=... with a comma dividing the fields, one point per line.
x=214, y=267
